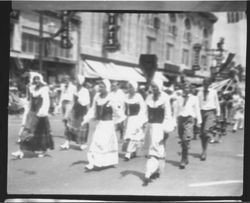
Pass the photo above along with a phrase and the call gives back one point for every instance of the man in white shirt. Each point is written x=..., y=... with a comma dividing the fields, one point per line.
x=68, y=90
x=118, y=97
x=210, y=108
x=187, y=110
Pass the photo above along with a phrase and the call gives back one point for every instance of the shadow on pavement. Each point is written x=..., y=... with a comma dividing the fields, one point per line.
x=28, y=172
x=131, y=172
x=174, y=163
x=195, y=155
x=78, y=162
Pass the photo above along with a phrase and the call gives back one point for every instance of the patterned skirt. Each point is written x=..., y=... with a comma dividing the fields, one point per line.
x=36, y=135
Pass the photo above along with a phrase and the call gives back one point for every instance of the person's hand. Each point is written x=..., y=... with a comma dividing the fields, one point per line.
x=83, y=123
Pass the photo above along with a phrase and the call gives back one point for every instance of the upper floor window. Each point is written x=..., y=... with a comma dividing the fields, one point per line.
x=187, y=24
x=204, y=62
x=187, y=33
x=205, y=33
x=172, y=17
x=169, y=51
x=151, y=42
x=185, y=57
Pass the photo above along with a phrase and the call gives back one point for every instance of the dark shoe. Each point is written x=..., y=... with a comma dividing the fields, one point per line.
x=203, y=157
x=126, y=159
x=182, y=165
x=133, y=155
x=233, y=131
x=146, y=181
x=155, y=175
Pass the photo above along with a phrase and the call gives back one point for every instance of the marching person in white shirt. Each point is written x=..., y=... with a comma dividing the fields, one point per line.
x=210, y=108
x=74, y=131
x=103, y=146
x=68, y=91
x=188, y=109
x=158, y=114
x=135, y=110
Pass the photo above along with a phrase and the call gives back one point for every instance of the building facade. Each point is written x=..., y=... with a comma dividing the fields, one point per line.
x=170, y=36
x=25, y=42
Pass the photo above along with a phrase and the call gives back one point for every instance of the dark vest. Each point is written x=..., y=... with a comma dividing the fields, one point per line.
x=79, y=110
x=156, y=115
x=36, y=103
x=132, y=109
x=104, y=112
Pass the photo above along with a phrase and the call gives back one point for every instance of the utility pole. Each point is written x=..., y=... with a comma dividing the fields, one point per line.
x=41, y=44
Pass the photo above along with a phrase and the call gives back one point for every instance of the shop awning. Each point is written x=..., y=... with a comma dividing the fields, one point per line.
x=96, y=69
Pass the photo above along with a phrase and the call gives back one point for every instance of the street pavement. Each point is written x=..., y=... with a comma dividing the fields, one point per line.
x=62, y=172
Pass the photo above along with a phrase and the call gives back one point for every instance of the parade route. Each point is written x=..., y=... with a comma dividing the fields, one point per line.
x=62, y=172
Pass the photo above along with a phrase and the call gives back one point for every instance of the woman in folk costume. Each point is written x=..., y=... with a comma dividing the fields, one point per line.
x=135, y=111
x=103, y=147
x=74, y=131
x=159, y=113
x=36, y=134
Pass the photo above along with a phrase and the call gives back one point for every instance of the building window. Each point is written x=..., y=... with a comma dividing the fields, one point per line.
x=30, y=43
x=172, y=17
x=187, y=32
x=204, y=61
x=169, y=51
x=185, y=57
x=151, y=45
x=172, y=29
x=205, y=34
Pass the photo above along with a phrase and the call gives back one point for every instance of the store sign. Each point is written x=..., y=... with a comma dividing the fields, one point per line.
x=111, y=42
x=196, y=63
x=65, y=34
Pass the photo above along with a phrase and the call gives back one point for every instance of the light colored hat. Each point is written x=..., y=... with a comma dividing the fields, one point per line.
x=81, y=79
x=36, y=74
x=107, y=84
x=134, y=84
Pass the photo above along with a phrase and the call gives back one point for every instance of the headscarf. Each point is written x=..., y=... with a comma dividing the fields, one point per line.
x=81, y=79
x=36, y=74
x=107, y=83
x=134, y=84
x=158, y=83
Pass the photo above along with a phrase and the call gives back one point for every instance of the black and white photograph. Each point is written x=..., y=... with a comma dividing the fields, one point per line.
x=126, y=102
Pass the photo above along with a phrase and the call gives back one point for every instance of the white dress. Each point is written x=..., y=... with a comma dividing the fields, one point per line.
x=103, y=144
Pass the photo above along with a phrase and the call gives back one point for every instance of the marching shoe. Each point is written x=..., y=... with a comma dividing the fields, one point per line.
x=155, y=175
x=89, y=167
x=18, y=154
x=64, y=146
x=203, y=157
x=83, y=146
x=146, y=181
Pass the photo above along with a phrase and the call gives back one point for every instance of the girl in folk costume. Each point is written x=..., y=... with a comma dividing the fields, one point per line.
x=36, y=133
x=73, y=130
x=159, y=113
x=135, y=111
x=103, y=147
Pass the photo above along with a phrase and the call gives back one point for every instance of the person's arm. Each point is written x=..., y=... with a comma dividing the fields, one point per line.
x=91, y=112
x=44, y=109
x=217, y=104
x=197, y=110
x=168, y=111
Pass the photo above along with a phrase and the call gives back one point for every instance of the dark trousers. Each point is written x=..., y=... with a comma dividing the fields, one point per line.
x=185, y=130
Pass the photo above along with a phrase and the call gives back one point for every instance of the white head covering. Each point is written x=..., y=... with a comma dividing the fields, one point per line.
x=36, y=74
x=134, y=84
x=81, y=79
x=107, y=84
x=158, y=82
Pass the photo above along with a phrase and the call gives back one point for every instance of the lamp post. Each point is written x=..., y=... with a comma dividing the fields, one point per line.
x=41, y=44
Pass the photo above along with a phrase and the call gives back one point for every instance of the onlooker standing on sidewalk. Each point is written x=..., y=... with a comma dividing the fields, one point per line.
x=210, y=108
x=238, y=105
x=188, y=109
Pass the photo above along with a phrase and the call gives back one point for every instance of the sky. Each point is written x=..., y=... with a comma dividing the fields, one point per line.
x=235, y=35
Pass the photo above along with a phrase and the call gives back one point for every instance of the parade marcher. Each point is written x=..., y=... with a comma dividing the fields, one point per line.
x=238, y=105
x=158, y=111
x=74, y=131
x=135, y=111
x=194, y=92
x=36, y=134
x=103, y=147
x=119, y=98
x=68, y=92
x=210, y=108
x=188, y=109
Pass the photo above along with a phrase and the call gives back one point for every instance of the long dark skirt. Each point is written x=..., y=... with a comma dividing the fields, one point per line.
x=74, y=131
x=36, y=135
